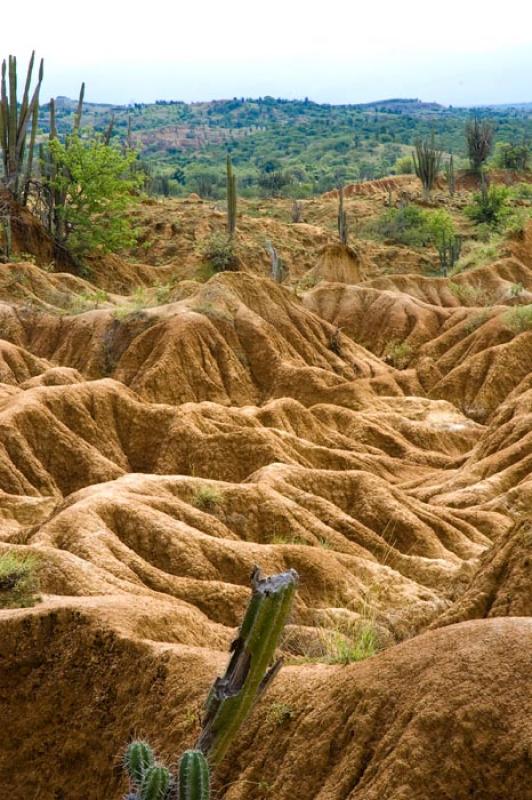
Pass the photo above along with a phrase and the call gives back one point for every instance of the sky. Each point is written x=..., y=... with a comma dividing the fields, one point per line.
x=458, y=52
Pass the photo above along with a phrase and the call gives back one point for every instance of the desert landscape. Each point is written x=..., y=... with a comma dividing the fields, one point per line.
x=282, y=383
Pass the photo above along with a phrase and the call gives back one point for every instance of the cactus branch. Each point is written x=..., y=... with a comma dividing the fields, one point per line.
x=248, y=672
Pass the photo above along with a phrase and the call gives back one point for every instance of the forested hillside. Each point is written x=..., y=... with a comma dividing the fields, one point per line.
x=296, y=148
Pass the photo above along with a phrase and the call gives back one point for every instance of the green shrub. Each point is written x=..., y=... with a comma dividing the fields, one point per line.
x=207, y=498
x=218, y=251
x=407, y=225
x=398, y=354
x=519, y=319
x=404, y=166
x=490, y=206
x=18, y=580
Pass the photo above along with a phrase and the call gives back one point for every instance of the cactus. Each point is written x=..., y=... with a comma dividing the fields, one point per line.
x=79, y=110
x=343, y=230
x=14, y=122
x=138, y=758
x=450, y=175
x=248, y=672
x=231, y=199
x=426, y=159
x=278, y=268
x=155, y=783
x=194, y=776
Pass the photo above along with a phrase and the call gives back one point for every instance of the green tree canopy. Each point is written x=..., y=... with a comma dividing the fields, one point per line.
x=99, y=185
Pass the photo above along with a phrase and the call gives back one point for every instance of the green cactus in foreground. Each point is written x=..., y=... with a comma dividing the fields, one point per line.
x=251, y=669
x=194, y=776
x=138, y=758
x=155, y=783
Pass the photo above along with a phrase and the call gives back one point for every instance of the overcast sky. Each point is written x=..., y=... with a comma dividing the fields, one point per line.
x=455, y=52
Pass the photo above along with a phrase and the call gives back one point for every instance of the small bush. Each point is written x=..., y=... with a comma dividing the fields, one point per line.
x=404, y=166
x=18, y=581
x=519, y=319
x=406, y=225
x=398, y=354
x=490, y=206
x=207, y=498
x=471, y=295
x=219, y=252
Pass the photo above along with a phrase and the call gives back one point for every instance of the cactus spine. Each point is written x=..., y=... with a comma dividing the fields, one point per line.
x=138, y=758
x=155, y=783
x=231, y=199
x=343, y=230
x=194, y=776
x=14, y=122
x=250, y=669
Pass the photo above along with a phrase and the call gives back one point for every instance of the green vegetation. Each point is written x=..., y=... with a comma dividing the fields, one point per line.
x=427, y=161
x=98, y=186
x=218, y=251
x=231, y=199
x=490, y=206
x=479, y=137
x=207, y=498
x=18, y=580
x=291, y=147
x=445, y=239
x=250, y=670
x=398, y=354
x=519, y=319
x=360, y=644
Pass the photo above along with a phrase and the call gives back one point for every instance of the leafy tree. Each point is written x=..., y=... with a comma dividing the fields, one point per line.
x=444, y=237
x=98, y=185
x=512, y=156
x=404, y=166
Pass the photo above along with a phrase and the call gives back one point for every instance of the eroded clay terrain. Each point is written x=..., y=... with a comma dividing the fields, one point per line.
x=161, y=434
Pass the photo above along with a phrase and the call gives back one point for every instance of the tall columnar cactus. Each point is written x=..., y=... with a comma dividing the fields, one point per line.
x=250, y=668
x=231, y=198
x=343, y=230
x=194, y=776
x=14, y=123
x=79, y=110
x=426, y=159
x=450, y=175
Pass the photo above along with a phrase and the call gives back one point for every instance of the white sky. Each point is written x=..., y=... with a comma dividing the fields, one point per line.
x=458, y=51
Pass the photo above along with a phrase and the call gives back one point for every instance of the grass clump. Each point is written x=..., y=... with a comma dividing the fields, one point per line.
x=342, y=649
x=519, y=319
x=471, y=295
x=398, y=354
x=18, y=581
x=207, y=498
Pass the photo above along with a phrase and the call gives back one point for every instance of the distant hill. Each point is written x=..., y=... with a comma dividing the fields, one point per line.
x=309, y=146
